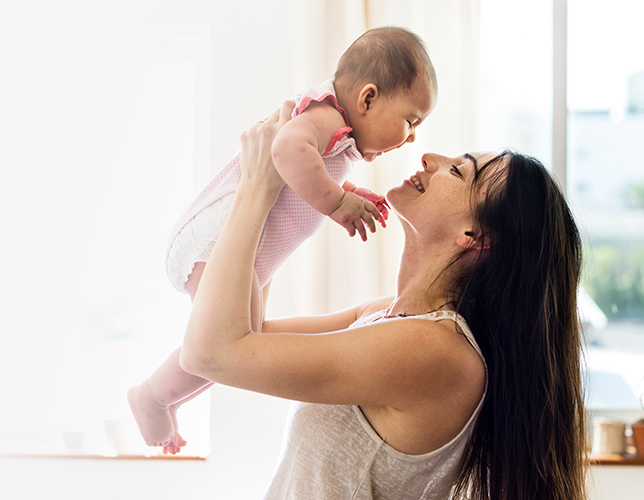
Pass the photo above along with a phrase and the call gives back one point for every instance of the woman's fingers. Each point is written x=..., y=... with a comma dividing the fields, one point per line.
x=280, y=115
x=256, y=157
x=286, y=110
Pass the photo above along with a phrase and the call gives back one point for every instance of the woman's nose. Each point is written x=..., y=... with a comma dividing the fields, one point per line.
x=431, y=161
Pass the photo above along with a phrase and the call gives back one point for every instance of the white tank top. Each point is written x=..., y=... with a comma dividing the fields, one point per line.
x=331, y=452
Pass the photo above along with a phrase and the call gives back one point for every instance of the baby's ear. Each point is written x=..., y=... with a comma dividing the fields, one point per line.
x=366, y=97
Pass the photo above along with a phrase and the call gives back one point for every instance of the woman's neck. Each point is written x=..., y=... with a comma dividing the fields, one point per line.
x=422, y=282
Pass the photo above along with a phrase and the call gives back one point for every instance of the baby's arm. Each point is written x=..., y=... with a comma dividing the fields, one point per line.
x=297, y=157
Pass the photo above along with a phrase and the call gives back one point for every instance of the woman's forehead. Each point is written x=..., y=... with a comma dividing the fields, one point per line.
x=490, y=169
x=483, y=157
x=491, y=161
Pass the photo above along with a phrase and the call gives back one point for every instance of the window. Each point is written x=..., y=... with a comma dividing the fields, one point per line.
x=89, y=311
x=606, y=189
x=515, y=61
x=604, y=171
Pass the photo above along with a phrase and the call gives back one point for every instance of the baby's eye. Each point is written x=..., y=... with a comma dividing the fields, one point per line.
x=456, y=171
x=409, y=123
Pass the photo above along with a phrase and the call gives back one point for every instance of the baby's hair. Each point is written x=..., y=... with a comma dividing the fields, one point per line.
x=390, y=57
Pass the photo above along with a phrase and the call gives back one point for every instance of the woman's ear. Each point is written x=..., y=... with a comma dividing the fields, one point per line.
x=469, y=240
x=366, y=97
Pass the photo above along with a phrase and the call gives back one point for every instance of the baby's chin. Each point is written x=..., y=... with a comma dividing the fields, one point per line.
x=369, y=157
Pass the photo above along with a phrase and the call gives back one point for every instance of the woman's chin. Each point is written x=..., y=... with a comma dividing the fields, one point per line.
x=393, y=196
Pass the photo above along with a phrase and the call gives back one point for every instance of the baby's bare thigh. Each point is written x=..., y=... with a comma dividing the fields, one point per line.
x=257, y=302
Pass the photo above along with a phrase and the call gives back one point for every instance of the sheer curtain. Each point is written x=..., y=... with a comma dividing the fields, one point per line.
x=331, y=270
x=111, y=109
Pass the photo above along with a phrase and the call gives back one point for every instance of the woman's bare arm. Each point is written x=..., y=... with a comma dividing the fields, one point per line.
x=324, y=323
x=389, y=363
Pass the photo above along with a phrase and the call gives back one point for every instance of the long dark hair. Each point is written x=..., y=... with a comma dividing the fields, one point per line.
x=520, y=301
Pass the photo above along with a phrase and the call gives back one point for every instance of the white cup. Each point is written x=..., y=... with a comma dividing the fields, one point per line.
x=115, y=435
x=608, y=437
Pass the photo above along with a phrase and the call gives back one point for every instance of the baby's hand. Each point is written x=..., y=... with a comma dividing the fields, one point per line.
x=354, y=212
x=378, y=200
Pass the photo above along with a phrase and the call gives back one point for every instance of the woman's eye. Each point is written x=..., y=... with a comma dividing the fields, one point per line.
x=456, y=171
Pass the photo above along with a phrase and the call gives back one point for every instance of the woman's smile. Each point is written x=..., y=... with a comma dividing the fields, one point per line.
x=417, y=184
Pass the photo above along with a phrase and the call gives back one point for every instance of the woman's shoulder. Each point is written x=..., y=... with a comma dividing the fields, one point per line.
x=449, y=379
x=450, y=359
x=452, y=379
x=443, y=337
x=372, y=307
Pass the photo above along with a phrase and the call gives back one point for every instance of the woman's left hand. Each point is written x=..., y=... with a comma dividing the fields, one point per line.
x=258, y=171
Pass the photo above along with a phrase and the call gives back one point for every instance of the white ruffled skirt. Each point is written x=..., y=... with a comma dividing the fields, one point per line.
x=196, y=240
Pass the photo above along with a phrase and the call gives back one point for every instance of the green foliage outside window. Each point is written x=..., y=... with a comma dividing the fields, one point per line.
x=614, y=278
x=634, y=195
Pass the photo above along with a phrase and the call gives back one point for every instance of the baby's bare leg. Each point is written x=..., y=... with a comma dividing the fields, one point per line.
x=256, y=305
x=169, y=385
x=258, y=308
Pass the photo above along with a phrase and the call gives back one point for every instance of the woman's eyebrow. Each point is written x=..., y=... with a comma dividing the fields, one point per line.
x=468, y=156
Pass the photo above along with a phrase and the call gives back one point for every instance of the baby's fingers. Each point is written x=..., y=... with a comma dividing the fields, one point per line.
x=372, y=210
x=368, y=219
x=361, y=229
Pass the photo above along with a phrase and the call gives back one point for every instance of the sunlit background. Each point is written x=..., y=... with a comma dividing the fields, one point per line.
x=112, y=116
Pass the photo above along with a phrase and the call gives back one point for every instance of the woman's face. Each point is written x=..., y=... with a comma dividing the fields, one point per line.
x=438, y=199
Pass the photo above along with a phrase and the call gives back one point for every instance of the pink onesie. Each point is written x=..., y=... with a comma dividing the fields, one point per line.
x=290, y=222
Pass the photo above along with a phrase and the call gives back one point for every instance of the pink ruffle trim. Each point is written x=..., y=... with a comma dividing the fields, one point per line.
x=324, y=97
x=338, y=134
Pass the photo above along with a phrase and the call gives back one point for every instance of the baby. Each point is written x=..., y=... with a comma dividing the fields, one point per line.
x=384, y=87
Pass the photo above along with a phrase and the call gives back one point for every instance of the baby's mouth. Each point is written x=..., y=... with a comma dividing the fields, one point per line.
x=417, y=183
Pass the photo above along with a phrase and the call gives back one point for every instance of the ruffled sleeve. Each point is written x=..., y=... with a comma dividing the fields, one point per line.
x=340, y=142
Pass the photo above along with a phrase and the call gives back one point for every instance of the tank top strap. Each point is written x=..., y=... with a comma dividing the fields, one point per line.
x=460, y=322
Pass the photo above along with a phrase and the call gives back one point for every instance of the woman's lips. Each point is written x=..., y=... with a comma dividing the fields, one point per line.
x=417, y=184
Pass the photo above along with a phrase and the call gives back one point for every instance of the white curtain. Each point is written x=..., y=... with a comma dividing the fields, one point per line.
x=331, y=270
x=91, y=91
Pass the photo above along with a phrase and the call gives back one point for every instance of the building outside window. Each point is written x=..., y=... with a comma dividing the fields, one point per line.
x=604, y=169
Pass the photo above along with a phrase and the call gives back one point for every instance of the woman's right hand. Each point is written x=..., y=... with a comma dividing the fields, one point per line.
x=258, y=171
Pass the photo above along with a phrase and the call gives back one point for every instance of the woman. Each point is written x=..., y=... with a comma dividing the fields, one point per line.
x=399, y=398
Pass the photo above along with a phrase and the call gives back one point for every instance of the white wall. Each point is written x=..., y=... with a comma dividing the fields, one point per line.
x=616, y=483
x=45, y=48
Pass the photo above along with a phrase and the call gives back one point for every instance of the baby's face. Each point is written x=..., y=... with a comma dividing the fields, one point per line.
x=391, y=121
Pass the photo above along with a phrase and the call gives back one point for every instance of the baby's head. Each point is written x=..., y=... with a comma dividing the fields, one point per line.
x=386, y=83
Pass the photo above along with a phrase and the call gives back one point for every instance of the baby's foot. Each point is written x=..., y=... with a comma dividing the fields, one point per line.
x=154, y=420
x=177, y=441
x=175, y=445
